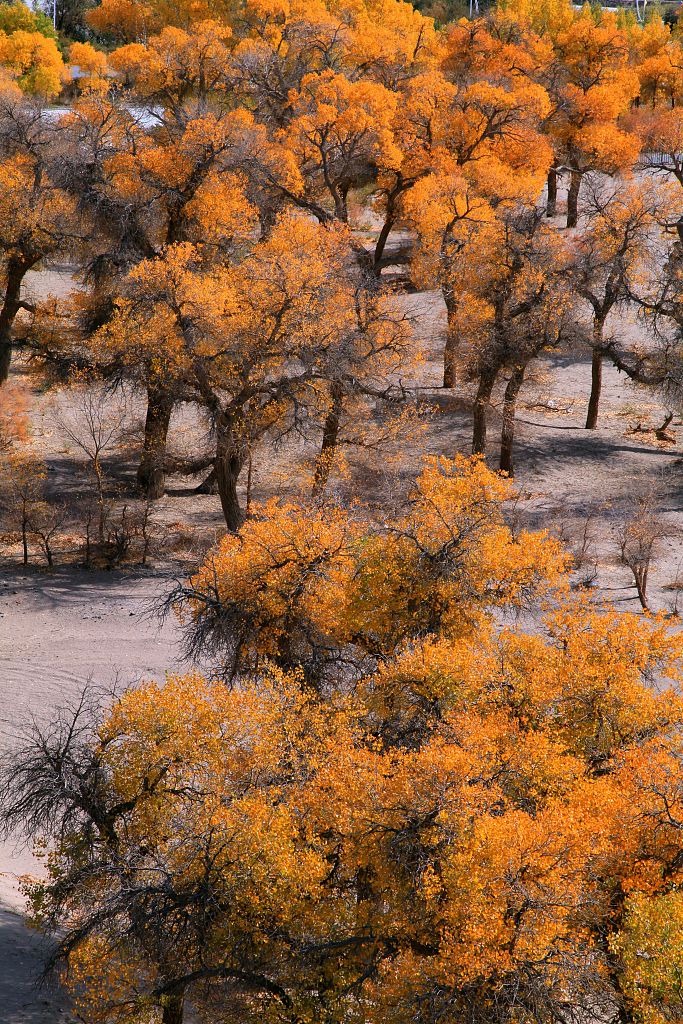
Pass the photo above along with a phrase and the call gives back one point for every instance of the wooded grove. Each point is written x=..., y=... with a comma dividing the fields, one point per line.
x=418, y=765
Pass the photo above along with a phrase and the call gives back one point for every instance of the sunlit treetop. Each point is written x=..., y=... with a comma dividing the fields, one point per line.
x=33, y=61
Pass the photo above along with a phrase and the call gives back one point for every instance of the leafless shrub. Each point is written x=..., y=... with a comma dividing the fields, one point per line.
x=46, y=520
x=131, y=533
x=579, y=539
x=22, y=491
x=95, y=424
x=639, y=538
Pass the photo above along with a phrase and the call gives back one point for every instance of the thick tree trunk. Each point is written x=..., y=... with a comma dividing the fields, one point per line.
x=230, y=458
x=5, y=359
x=481, y=405
x=16, y=271
x=596, y=377
x=329, y=442
x=172, y=1011
x=227, y=474
x=450, y=352
x=151, y=476
x=573, y=198
x=507, y=436
x=551, y=205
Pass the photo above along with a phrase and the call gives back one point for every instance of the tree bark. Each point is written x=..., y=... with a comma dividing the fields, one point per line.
x=230, y=458
x=5, y=359
x=329, y=442
x=596, y=377
x=389, y=218
x=450, y=352
x=208, y=484
x=151, y=475
x=551, y=205
x=481, y=404
x=573, y=198
x=16, y=271
x=172, y=1011
x=507, y=436
x=679, y=229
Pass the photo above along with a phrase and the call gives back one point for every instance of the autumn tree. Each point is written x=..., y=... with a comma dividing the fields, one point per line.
x=188, y=172
x=661, y=131
x=486, y=824
x=592, y=82
x=28, y=51
x=615, y=257
x=254, y=343
x=511, y=299
x=472, y=144
x=438, y=565
x=38, y=217
x=22, y=493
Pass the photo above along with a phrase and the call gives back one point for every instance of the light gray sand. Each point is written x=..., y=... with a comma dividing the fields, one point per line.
x=55, y=634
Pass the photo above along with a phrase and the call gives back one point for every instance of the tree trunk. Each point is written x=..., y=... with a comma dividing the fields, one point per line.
x=5, y=359
x=679, y=229
x=151, y=476
x=172, y=1011
x=450, y=352
x=208, y=484
x=481, y=404
x=596, y=377
x=389, y=218
x=329, y=442
x=507, y=436
x=230, y=458
x=16, y=271
x=551, y=205
x=573, y=198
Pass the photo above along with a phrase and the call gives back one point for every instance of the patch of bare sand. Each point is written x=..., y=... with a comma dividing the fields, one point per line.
x=56, y=633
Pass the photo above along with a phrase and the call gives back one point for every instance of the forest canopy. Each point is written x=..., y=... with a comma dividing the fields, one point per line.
x=414, y=773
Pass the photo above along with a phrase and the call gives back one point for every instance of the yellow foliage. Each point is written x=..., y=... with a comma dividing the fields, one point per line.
x=94, y=65
x=34, y=62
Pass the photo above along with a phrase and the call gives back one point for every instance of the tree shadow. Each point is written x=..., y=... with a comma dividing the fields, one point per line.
x=24, y=997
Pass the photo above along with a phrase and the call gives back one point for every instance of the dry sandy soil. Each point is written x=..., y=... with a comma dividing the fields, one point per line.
x=59, y=630
x=56, y=633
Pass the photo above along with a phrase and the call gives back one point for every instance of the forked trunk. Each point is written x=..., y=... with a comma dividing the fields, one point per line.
x=151, y=475
x=551, y=205
x=481, y=405
x=329, y=442
x=507, y=435
x=573, y=199
x=389, y=219
x=596, y=377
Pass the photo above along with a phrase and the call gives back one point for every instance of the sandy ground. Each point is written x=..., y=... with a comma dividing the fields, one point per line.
x=57, y=631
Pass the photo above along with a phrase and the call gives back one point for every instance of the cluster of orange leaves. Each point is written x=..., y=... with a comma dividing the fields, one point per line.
x=488, y=808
